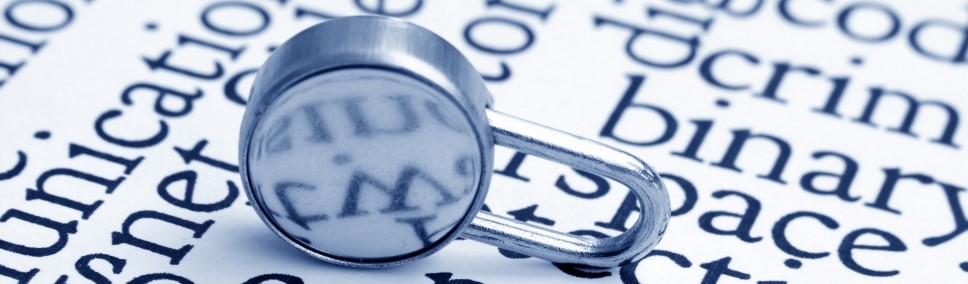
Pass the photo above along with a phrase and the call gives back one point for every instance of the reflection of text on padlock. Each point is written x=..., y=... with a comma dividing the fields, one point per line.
x=366, y=142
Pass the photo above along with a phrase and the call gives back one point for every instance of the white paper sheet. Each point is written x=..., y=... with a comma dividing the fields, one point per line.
x=872, y=190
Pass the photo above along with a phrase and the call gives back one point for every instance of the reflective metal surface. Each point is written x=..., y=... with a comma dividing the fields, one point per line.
x=589, y=156
x=366, y=142
x=364, y=163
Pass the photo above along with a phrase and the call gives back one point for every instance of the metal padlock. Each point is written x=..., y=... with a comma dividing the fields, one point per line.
x=368, y=142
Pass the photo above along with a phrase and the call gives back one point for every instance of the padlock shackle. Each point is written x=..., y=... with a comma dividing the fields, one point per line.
x=585, y=155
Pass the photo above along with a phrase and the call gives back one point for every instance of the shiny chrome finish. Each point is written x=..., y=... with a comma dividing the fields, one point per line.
x=367, y=142
x=589, y=156
x=383, y=47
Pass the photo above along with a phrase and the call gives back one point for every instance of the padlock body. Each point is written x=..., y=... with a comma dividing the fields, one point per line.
x=364, y=157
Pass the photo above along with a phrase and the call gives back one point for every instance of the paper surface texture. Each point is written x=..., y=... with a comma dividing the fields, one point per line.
x=801, y=141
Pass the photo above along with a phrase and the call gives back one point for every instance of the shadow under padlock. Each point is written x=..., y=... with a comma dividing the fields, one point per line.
x=367, y=142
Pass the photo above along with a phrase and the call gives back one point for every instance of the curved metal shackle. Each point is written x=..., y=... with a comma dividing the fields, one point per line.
x=388, y=46
x=585, y=155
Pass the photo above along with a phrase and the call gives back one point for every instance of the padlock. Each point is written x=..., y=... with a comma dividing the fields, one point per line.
x=368, y=142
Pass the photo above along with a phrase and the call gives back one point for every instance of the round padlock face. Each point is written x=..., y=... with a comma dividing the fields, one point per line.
x=364, y=164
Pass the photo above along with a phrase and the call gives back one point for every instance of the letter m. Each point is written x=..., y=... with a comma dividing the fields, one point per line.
x=397, y=193
x=913, y=106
